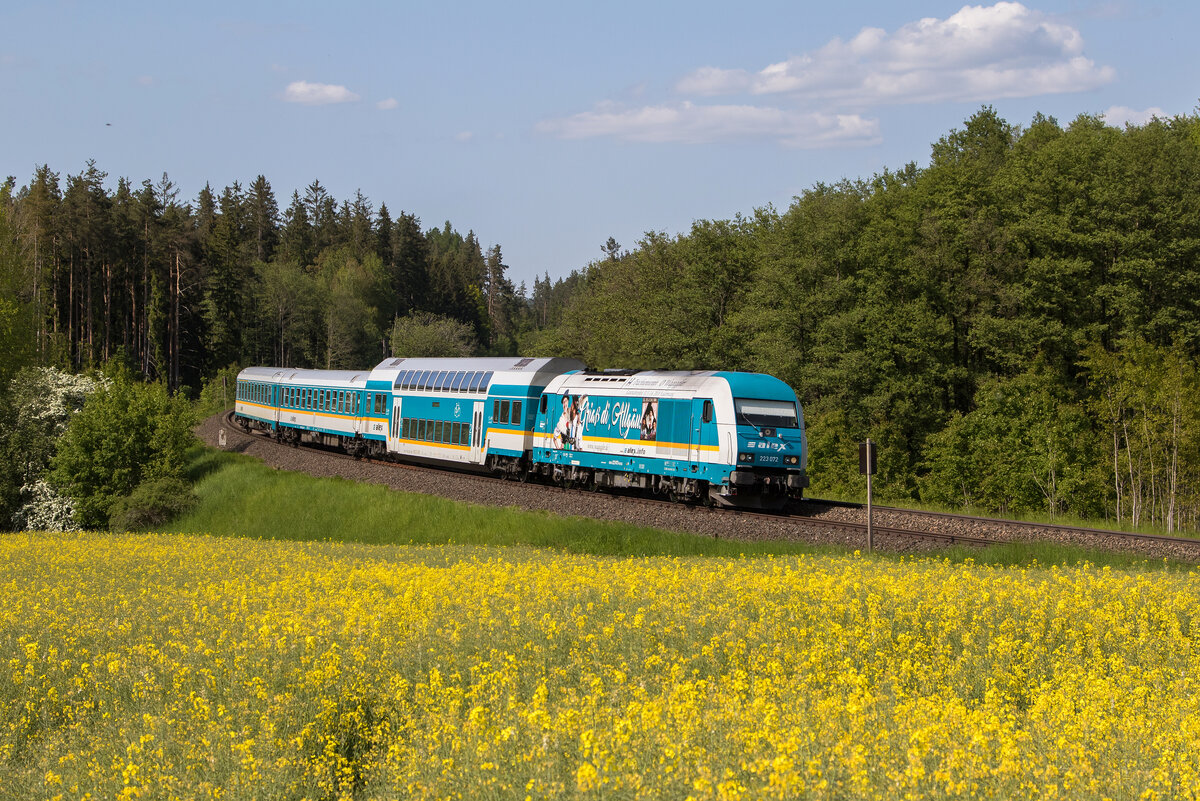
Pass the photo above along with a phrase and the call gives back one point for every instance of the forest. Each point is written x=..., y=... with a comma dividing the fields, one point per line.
x=1017, y=324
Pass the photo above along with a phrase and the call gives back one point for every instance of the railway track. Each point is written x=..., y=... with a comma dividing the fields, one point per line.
x=1018, y=530
x=811, y=520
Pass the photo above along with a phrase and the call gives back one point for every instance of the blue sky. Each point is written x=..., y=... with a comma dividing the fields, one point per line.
x=548, y=127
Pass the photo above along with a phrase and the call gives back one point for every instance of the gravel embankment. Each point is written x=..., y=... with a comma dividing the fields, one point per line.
x=488, y=491
x=1013, y=531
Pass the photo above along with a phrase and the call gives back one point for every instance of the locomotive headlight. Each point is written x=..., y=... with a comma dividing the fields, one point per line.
x=792, y=459
x=746, y=457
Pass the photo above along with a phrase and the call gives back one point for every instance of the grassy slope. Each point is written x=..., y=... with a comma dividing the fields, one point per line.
x=239, y=496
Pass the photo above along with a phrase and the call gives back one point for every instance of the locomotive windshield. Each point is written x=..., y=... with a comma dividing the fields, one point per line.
x=765, y=413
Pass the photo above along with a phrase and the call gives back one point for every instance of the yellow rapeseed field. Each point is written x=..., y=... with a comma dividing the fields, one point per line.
x=142, y=666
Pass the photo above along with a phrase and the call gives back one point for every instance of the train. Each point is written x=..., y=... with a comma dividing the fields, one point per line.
x=724, y=438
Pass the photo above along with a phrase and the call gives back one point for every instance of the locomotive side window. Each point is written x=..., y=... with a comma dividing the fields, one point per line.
x=516, y=412
x=708, y=411
x=503, y=411
x=543, y=407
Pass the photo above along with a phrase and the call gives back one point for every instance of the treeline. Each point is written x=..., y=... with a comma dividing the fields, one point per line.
x=181, y=289
x=1017, y=325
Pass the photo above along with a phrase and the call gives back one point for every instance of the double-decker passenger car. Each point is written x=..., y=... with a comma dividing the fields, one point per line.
x=732, y=438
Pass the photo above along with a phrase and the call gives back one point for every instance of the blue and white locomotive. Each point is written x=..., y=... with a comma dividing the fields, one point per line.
x=735, y=439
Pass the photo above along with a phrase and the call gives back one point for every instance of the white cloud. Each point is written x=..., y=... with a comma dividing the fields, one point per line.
x=317, y=94
x=978, y=53
x=145, y=80
x=464, y=136
x=694, y=124
x=387, y=105
x=1123, y=115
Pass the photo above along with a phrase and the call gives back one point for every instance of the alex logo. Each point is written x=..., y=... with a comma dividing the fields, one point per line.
x=766, y=446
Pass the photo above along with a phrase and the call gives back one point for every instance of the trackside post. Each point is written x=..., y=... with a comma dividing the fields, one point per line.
x=866, y=466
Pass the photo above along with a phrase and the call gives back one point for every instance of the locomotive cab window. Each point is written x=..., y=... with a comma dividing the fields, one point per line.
x=765, y=413
x=707, y=415
x=543, y=406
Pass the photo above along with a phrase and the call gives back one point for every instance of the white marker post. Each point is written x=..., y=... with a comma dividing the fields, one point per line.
x=866, y=466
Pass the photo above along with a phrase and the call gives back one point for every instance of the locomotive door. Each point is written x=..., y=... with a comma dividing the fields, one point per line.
x=694, y=438
x=394, y=426
x=477, y=433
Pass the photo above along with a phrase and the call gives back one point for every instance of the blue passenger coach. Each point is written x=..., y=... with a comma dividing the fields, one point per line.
x=475, y=411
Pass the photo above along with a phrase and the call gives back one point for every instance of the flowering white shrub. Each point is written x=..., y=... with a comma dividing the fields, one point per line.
x=47, y=397
x=44, y=399
x=46, y=509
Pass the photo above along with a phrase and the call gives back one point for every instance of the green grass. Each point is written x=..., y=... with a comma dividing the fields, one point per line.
x=1072, y=521
x=240, y=496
